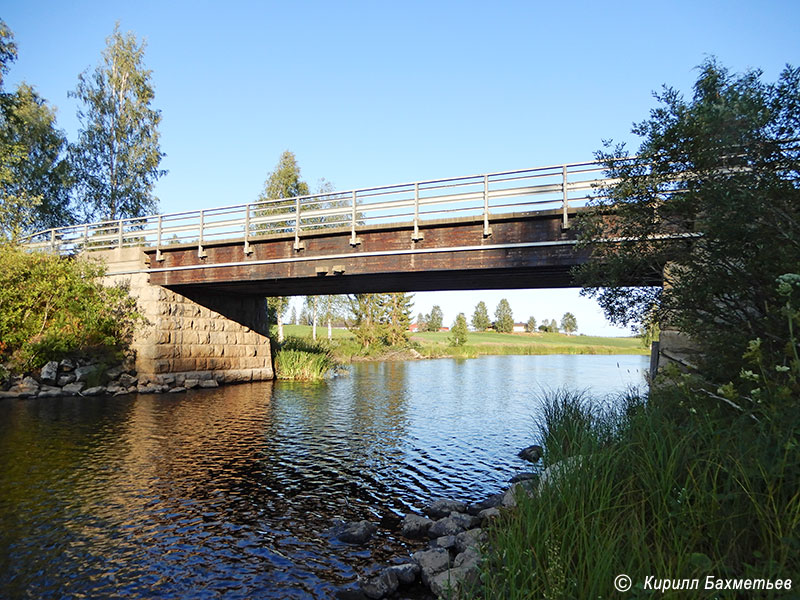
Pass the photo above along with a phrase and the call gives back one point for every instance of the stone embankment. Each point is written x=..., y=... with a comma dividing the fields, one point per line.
x=86, y=378
x=456, y=536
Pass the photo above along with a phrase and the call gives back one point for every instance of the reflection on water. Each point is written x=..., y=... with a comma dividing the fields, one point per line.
x=231, y=492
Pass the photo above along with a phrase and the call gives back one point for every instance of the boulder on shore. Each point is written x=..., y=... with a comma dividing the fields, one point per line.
x=49, y=373
x=442, y=508
x=380, y=585
x=415, y=527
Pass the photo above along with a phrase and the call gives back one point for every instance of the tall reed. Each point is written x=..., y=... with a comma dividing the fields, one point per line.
x=303, y=360
x=654, y=492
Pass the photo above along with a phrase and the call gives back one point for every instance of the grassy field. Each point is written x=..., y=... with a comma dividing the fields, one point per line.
x=489, y=342
x=436, y=344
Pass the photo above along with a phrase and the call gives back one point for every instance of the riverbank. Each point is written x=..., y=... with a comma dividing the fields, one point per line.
x=437, y=345
x=649, y=498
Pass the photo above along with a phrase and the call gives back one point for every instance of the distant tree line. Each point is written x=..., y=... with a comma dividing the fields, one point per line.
x=504, y=320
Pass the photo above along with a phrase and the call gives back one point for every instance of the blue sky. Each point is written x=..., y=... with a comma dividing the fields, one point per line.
x=375, y=93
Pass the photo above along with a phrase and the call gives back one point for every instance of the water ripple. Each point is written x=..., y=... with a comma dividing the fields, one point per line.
x=231, y=493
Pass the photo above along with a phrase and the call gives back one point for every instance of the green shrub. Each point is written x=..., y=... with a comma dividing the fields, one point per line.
x=52, y=307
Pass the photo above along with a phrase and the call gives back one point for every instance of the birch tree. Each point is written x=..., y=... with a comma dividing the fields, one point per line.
x=117, y=156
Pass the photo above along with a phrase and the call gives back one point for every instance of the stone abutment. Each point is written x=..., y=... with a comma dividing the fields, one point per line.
x=207, y=336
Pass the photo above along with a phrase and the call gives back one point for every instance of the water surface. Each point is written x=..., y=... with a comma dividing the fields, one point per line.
x=231, y=493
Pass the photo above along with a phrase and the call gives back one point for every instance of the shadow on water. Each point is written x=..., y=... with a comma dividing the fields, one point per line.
x=232, y=492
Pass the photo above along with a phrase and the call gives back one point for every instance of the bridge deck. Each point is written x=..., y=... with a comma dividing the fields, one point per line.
x=497, y=230
x=527, y=250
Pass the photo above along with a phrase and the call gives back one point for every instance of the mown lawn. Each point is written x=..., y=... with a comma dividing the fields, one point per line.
x=490, y=342
x=626, y=345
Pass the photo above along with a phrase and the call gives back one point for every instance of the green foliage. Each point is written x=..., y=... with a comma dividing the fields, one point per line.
x=279, y=203
x=52, y=307
x=17, y=210
x=34, y=176
x=549, y=326
x=284, y=182
x=117, y=156
x=276, y=311
x=434, y=319
x=303, y=360
x=768, y=383
x=366, y=318
x=569, y=324
x=643, y=489
x=649, y=332
x=8, y=49
x=458, y=333
x=480, y=318
x=530, y=326
x=503, y=317
x=713, y=203
x=396, y=317
x=381, y=319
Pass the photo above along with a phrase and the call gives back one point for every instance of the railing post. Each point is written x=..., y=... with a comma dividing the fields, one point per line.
x=201, y=253
x=298, y=245
x=119, y=225
x=565, y=200
x=53, y=240
x=417, y=235
x=158, y=241
x=247, y=249
x=354, y=241
x=487, y=231
x=86, y=237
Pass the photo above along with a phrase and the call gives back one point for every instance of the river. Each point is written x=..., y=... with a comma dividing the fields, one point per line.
x=231, y=493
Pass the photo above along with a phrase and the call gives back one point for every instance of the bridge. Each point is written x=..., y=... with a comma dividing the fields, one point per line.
x=201, y=276
x=498, y=230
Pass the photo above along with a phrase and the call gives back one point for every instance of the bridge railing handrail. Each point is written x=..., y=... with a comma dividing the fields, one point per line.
x=487, y=195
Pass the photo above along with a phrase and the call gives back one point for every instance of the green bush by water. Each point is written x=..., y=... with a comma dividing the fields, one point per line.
x=52, y=307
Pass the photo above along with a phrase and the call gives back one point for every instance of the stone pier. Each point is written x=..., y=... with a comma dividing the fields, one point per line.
x=209, y=336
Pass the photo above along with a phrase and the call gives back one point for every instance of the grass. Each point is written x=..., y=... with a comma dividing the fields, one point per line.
x=658, y=490
x=303, y=360
x=437, y=344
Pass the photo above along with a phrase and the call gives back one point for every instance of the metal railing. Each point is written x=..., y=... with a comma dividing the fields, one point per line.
x=483, y=196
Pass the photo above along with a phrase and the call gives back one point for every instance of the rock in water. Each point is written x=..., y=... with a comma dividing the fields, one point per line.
x=356, y=533
x=381, y=585
x=531, y=453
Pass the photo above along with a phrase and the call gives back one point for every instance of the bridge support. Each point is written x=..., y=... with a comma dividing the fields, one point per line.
x=207, y=336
